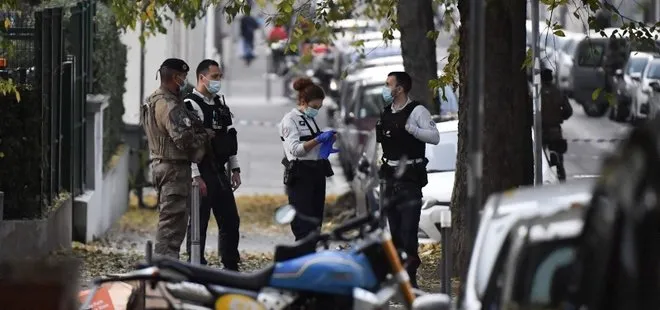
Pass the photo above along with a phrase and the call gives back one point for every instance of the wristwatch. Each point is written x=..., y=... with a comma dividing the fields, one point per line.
x=236, y=170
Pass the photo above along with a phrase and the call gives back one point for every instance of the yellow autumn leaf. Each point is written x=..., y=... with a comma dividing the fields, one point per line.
x=2, y=154
x=7, y=23
x=151, y=9
x=18, y=96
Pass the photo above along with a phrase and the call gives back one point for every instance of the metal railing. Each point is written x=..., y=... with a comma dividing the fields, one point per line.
x=63, y=78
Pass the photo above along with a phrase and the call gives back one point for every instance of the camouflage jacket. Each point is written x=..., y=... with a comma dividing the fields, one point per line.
x=173, y=132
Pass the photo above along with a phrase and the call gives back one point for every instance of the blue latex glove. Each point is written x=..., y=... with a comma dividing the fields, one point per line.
x=327, y=149
x=325, y=136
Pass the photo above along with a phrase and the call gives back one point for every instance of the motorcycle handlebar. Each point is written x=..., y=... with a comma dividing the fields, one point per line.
x=352, y=224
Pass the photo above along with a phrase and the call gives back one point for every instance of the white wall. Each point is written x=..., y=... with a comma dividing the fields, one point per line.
x=179, y=42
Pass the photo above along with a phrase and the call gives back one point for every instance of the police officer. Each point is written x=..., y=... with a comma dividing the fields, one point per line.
x=404, y=128
x=176, y=138
x=216, y=187
x=556, y=109
x=306, y=150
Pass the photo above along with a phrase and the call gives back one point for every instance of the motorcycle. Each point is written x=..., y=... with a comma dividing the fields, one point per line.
x=366, y=276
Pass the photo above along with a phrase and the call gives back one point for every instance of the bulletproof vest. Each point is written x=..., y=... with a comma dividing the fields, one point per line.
x=395, y=140
x=550, y=106
x=161, y=145
x=218, y=117
x=314, y=133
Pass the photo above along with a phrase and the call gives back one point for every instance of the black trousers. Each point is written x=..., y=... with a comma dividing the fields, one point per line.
x=307, y=195
x=404, y=223
x=219, y=200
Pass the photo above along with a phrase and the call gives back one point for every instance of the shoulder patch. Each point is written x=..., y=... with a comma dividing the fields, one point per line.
x=432, y=124
x=187, y=122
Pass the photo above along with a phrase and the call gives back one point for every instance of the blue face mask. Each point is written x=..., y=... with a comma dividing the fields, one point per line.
x=311, y=112
x=387, y=94
x=213, y=87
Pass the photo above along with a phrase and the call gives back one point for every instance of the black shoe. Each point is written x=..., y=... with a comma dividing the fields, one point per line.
x=231, y=266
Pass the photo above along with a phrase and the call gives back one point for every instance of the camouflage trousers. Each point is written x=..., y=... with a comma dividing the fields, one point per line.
x=173, y=183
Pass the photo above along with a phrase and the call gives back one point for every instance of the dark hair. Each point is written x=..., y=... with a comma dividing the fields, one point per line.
x=307, y=90
x=546, y=75
x=204, y=66
x=402, y=79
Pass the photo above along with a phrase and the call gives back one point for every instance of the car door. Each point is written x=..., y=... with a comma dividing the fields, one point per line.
x=367, y=108
x=588, y=74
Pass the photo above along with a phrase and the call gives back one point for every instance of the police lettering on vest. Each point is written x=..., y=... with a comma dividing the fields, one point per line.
x=219, y=118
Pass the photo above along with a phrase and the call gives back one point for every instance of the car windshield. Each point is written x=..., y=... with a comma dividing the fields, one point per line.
x=442, y=157
x=636, y=64
x=654, y=70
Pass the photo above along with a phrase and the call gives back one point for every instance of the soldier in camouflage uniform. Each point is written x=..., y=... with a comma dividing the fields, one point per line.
x=176, y=138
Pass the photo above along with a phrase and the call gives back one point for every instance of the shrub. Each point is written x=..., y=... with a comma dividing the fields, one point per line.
x=20, y=154
x=109, y=66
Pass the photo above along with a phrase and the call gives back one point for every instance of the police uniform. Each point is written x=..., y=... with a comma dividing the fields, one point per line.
x=176, y=138
x=305, y=171
x=404, y=133
x=215, y=115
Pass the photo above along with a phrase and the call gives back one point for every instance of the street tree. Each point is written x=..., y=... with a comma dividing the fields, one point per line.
x=507, y=145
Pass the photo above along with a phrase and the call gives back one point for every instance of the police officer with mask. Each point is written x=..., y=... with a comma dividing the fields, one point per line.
x=556, y=109
x=216, y=186
x=176, y=138
x=404, y=128
x=306, y=150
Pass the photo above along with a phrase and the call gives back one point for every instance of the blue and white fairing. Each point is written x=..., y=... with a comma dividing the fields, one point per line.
x=330, y=272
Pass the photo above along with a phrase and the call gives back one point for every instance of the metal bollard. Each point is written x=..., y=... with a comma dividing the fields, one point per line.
x=195, y=253
x=381, y=201
x=445, y=232
x=269, y=68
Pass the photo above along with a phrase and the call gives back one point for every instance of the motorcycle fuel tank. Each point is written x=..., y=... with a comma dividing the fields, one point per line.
x=325, y=272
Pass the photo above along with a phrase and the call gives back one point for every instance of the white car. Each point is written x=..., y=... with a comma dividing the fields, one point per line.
x=441, y=169
x=501, y=213
x=640, y=100
x=565, y=58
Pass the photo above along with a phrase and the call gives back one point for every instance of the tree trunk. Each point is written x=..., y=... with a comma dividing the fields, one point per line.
x=507, y=143
x=415, y=20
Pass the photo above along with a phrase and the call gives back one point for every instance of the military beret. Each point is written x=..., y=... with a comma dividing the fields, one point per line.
x=175, y=64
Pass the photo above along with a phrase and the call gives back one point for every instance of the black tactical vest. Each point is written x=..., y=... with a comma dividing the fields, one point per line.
x=218, y=117
x=396, y=141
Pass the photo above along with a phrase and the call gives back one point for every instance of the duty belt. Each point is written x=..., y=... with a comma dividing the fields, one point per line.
x=406, y=162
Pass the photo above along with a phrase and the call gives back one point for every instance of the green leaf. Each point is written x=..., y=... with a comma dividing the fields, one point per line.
x=559, y=33
x=293, y=47
x=596, y=94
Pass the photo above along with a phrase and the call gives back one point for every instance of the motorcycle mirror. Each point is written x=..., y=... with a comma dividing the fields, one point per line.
x=285, y=214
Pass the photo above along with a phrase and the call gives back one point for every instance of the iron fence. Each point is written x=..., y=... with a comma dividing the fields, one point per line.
x=52, y=50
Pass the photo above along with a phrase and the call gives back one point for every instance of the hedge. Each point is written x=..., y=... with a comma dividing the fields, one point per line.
x=109, y=66
x=20, y=154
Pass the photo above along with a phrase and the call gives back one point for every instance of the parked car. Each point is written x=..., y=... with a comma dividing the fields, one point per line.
x=336, y=84
x=538, y=269
x=501, y=213
x=626, y=84
x=640, y=108
x=348, y=58
x=588, y=72
x=347, y=90
x=566, y=57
